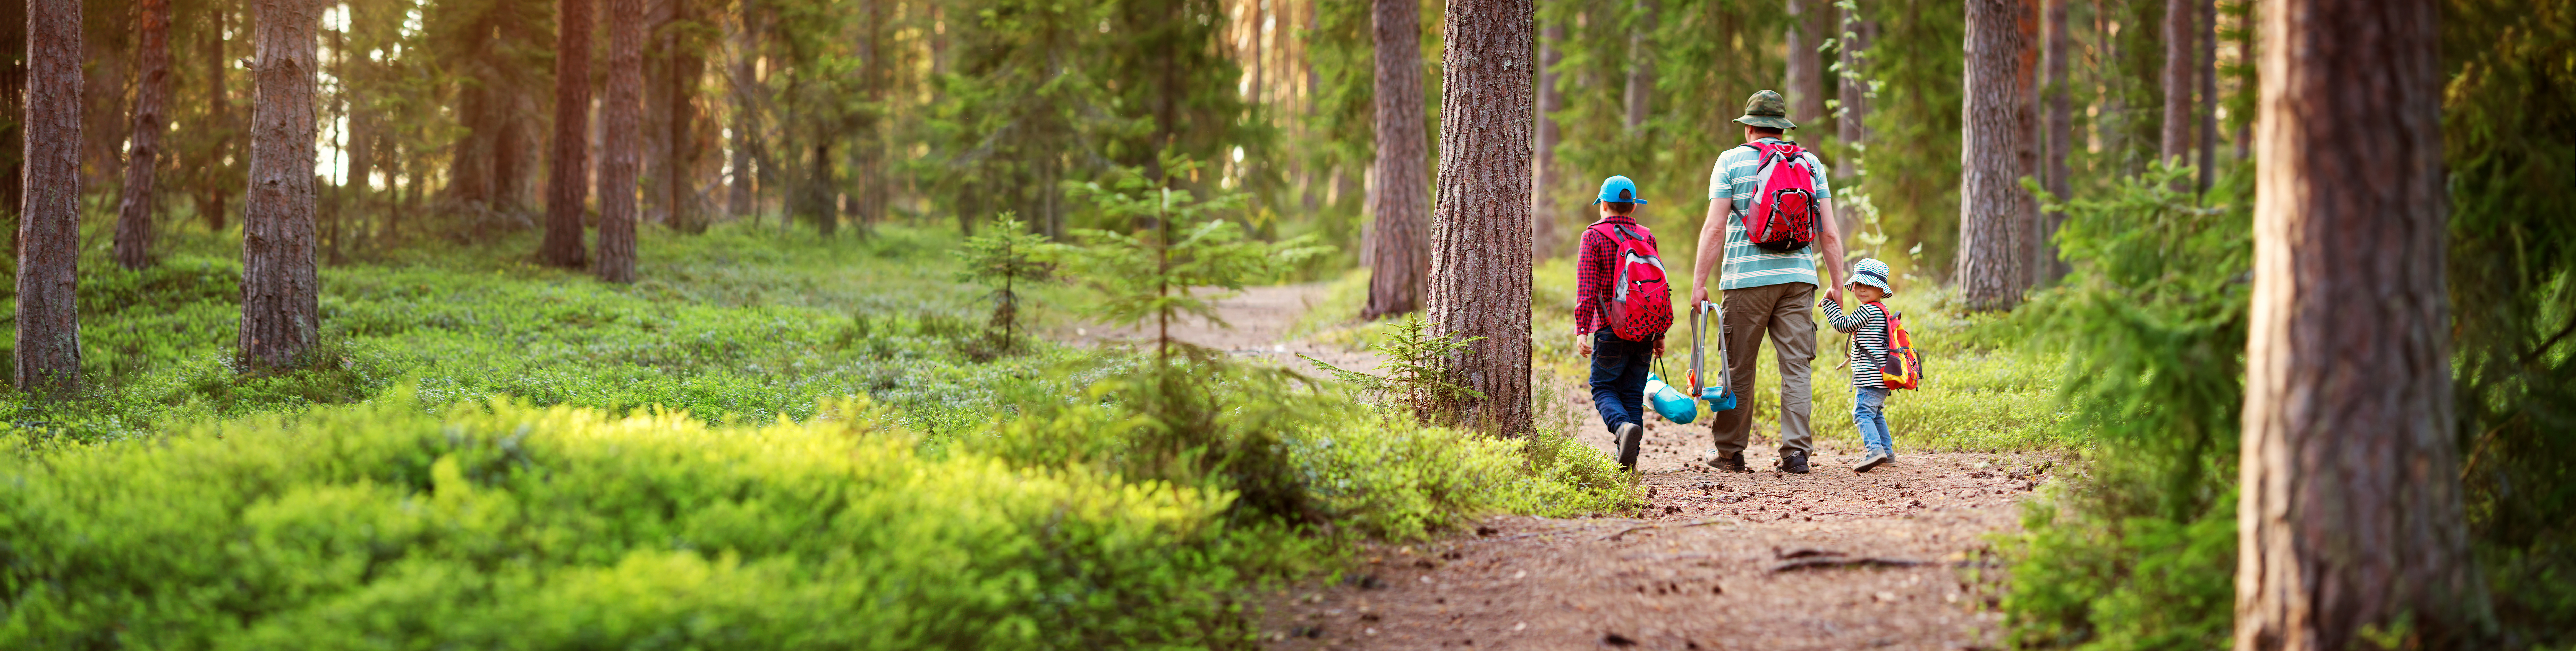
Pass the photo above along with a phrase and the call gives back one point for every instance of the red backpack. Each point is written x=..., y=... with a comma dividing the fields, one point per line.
x=1785, y=211
x=1640, y=304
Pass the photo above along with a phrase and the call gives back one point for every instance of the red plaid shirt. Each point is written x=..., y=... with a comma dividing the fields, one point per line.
x=1596, y=267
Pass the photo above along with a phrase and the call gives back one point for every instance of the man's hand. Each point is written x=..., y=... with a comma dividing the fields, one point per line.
x=1699, y=295
x=1835, y=294
x=1583, y=344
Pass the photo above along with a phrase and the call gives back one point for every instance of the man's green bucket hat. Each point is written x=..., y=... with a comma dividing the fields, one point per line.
x=1767, y=109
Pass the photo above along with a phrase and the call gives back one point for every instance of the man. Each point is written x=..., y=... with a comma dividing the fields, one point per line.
x=1766, y=292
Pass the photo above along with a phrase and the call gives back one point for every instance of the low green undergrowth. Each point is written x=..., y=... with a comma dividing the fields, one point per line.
x=485, y=453
x=736, y=323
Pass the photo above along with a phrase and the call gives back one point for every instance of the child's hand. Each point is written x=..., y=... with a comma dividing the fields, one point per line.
x=1583, y=344
x=1659, y=347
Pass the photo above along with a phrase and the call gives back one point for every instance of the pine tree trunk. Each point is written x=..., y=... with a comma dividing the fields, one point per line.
x=48, y=314
x=2208, y=73
x=1641, y=68
x=1853, y=128
x=567, y=179
x=1995, y=213
x=1544, y=222
x=2060, y=139
x=1480, y=263
x=738, y=200
x=2176, y=142
x=13, y=107
x=219, y=118
x=280, y=299
x=1400, y=204
x=2351, y=517
x=621, y=124
x=1806, y=82
x=143, y=148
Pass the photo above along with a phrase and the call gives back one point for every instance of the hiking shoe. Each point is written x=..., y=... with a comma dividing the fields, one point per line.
x=1875, y=459
x=1793, y=462
x=1631, y=437
x=1729, y=463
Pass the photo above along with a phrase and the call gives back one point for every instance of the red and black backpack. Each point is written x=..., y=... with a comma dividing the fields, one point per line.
x=1640, y=303
x=1785, y=212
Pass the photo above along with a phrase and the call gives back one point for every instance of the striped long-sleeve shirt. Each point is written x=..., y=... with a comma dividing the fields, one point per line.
x=1868, y=328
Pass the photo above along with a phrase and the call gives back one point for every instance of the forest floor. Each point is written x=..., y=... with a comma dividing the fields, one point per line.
x=1896, y=558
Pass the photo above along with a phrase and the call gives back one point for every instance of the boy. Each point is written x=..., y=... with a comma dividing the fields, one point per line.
x=1619, y=365
x=1867, y=324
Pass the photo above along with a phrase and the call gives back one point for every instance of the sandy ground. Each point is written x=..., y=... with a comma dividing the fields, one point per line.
x=1895, y=558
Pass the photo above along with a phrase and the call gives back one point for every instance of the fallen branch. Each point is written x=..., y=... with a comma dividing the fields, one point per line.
x=1630, y=530
x=1842, y=561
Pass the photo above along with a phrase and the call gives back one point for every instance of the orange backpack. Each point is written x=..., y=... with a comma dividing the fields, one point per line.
x=1903, y=369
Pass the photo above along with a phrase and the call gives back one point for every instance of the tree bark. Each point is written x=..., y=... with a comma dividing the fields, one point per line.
x=133, y=246
x=738, y=201
x=1480, y=263
x=2059, y=141
x=1995, y=214
x=1640, y=93
x=280, y=298
x=1806, y=82
x=1544, y=222
x=621, y=122
x=567, y=178
x=48, y=315
x=219, y=118
x=1400, y=204
x=13, y=105
x=1852, y=128
x=2208, y=73
x=2176, y=142
x=2351, y=516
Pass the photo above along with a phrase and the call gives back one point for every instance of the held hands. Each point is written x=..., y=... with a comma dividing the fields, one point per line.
x=1835, y=294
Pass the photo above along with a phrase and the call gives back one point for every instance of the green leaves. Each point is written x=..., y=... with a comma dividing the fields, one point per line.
x=1179, y=255
x=1004, y=258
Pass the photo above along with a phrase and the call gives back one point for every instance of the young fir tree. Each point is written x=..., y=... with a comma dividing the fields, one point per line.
x=1180, y=247
x=1004, y=258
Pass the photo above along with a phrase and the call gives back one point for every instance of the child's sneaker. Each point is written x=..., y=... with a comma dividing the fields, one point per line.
x=1875, y=459
x=1631, y=438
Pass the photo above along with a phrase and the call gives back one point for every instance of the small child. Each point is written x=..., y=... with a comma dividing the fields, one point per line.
x=1619, y=366
x=1867, y=324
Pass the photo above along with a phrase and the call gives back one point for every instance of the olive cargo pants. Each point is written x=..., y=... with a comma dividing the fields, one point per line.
x=1787, y=313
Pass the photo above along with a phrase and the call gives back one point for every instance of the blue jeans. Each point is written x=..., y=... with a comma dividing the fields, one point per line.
x=1619, y=369
x=1869, y=413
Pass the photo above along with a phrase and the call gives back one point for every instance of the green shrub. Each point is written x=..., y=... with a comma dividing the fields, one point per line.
x=2136, y=551
x=509, y=526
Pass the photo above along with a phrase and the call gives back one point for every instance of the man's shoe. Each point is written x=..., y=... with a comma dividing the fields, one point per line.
x=1793, y=462
x=1631, y=437
x=1875, y=459
x=1729, y=463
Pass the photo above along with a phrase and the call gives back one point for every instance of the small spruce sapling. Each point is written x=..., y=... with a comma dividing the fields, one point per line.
x=1005, y=257
x=1179, y=247
x=1409, y=359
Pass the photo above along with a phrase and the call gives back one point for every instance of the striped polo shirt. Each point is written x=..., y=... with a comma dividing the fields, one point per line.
x=1736, y=177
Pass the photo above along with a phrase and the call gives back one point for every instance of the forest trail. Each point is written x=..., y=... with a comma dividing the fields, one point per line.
x=1891, y=559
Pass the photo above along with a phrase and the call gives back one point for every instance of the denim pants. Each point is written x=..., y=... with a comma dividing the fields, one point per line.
x=1869, y=413
x=1619, y=369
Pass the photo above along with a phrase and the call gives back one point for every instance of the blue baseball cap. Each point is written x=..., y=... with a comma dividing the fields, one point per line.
x=1620, y=189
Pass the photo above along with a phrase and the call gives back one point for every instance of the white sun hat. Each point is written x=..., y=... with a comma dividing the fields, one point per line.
x=1871, y=272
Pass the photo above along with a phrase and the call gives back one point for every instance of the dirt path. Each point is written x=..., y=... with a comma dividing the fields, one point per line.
x=1894, y=558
